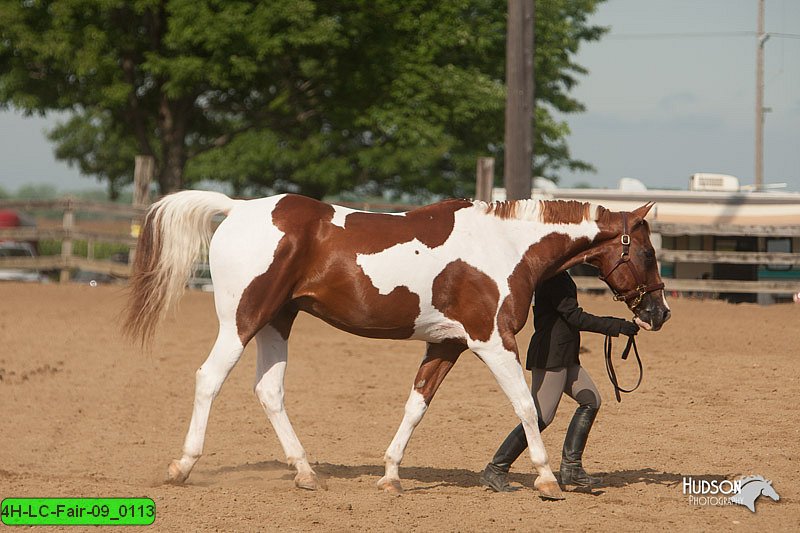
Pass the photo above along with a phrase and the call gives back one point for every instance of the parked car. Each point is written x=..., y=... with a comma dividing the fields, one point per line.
x=93, y=278
x=18, y=249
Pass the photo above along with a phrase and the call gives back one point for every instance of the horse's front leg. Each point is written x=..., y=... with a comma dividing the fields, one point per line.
x=504, y=365
x=439, y=359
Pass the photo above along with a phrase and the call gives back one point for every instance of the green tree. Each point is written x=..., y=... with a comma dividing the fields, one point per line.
x=99, y=147
x=303, y=95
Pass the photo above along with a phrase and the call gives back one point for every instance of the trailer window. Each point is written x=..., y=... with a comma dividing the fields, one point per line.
x=781, y=245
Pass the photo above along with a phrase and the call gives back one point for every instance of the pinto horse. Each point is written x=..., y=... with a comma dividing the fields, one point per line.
x=458, y=274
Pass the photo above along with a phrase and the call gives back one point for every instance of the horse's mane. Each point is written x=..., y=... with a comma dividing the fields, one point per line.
x=547, y=211
x=745, y=480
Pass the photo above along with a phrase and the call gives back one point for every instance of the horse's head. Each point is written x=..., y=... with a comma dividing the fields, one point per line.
x=627, y=262
x=768, y=491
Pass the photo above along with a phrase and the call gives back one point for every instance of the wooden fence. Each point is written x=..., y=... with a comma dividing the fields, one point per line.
x=710, y=286
x=70, y=231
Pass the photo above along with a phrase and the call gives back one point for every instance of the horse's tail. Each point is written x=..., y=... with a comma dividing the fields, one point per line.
x=175, y=231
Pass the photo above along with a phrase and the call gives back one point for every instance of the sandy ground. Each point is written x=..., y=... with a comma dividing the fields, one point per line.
x=84, y=414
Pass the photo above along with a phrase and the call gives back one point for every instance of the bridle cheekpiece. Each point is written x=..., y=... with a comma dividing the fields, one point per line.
x=631, y=298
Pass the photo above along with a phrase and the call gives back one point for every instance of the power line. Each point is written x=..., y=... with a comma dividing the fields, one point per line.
x=786, y=35
x=680, y=35
x=683, y=35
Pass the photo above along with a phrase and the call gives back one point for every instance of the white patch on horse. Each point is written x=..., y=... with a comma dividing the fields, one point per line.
x=413, y=265
x=243, y=247
x=340, y=215
x=415, y=409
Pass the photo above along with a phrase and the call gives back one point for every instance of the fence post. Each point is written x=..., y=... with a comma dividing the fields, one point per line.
x=67, y=224
x=485, y=179
x=143, y=170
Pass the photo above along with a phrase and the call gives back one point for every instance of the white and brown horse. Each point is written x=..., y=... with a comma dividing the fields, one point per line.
x=457, y=274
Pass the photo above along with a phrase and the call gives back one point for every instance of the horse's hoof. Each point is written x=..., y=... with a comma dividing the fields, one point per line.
x=390, y=486
x=549, y=490
x=308, y=481
x=175, y=475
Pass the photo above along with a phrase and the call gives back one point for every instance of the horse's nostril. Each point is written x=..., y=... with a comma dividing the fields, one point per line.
x=665, y=315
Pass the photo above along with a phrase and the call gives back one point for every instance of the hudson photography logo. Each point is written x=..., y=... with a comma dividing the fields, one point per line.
x=720, y=492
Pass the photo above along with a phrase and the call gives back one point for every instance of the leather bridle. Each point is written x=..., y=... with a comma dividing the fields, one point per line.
x=634, y=297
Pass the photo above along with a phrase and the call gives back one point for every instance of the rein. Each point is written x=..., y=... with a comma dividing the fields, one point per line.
x=612, y=375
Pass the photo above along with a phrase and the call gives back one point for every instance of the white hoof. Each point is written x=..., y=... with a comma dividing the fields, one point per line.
x=390, y=486
x=308, y=481
x=175, y=475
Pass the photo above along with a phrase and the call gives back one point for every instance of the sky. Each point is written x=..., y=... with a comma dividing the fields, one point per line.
x=663, y=102
x=670, y=92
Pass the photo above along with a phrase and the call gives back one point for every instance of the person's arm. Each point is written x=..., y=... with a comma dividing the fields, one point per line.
x=564, y=297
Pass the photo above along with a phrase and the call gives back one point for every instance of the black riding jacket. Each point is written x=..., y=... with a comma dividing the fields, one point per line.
x=558, y=321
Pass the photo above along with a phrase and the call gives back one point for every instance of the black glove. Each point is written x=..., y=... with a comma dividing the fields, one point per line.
x=628, y=328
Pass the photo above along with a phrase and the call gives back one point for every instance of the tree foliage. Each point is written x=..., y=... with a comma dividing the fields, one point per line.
x=313, y=96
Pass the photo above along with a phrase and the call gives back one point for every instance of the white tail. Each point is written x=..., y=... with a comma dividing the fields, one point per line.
x=175, y=231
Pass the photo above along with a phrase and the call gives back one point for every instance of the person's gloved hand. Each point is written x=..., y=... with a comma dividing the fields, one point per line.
x=628, y=328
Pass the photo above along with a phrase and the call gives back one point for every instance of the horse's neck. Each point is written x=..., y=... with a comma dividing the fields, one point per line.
x=536, y=267
x=543, y=256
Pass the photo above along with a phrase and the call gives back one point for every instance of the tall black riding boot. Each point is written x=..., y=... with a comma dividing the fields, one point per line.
x=572, y=472
x=495, y=473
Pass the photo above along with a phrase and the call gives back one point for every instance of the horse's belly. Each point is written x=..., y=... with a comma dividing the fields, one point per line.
x=359, y=320
x=384, y=322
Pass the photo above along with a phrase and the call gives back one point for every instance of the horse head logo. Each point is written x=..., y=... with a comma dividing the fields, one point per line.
x=752, y=488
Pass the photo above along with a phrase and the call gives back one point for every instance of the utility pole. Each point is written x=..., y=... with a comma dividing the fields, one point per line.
x=761, y=39
x=519, y=100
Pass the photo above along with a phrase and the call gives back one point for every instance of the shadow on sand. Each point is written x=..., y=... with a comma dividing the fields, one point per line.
x=431, y=477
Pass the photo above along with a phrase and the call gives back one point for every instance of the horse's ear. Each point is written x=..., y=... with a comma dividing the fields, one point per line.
x=642, y=211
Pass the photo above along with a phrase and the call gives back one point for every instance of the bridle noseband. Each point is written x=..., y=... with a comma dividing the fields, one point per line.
x=641, y=289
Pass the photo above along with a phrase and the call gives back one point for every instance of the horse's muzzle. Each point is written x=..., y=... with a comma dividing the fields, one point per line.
x=652, y=312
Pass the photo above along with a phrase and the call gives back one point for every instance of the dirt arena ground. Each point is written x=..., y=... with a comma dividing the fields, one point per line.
x=85, y=414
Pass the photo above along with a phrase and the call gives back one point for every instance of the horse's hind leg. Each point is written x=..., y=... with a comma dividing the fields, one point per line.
x=270, y=371
x=438, y=361
x=208, y=380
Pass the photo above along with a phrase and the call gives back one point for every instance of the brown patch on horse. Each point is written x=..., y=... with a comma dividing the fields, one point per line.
x=563, y=211
x=143, y=309
x=514, y=309
x=315, y=267
x=284, y=320
x=431, y=225
x=269, y=292
x=380, y=316
x=505, y=210
x=463, y=293
x=439, y=359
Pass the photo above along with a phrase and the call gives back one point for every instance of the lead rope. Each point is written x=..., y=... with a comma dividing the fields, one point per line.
x=612, y=375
